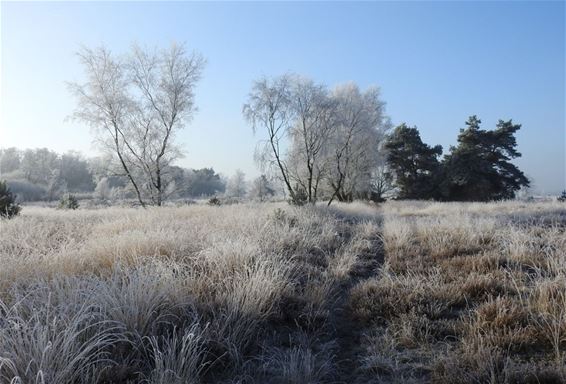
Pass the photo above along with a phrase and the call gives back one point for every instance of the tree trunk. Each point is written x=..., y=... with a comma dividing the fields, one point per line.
x=126, y=169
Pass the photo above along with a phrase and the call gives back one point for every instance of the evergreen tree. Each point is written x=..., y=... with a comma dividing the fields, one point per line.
x=478, y=169
x=414, y=164
x=8, y=205
x=68, y=201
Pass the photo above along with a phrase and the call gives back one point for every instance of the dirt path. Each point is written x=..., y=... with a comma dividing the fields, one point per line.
x=348, y=331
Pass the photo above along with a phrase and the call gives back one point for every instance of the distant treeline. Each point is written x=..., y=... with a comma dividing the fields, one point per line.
x=478, y=168
x=44, y=175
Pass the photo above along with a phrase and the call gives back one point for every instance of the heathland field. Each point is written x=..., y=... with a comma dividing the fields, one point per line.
x=269, y=293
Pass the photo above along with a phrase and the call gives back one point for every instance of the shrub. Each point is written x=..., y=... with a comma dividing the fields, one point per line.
x=279, y=214
x=214, y=201
x=8, y=206
x=562, y=197
x=375, y=197
x=281, y=217
x=230, y=201
x=68, y=201
x=300, y=197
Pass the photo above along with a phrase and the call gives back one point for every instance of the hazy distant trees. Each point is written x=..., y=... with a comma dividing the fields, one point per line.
x=477, y=169
x=27, y=191
x=317, y=139
x=236, y=186
x=56, y=186
x=10, y=159
x=137, y=103
x=75, y=171
x=103, y=191
x=71, y=172
x=202, y=182
x=261, y=189
x=36, y=174
x=38, y=165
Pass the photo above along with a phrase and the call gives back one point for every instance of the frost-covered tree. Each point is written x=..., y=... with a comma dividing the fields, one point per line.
x=317, y=138
x=313, y=125
x=137, y=103
x=103, y=190
x=261, y=189
x=56, y=186
x=382, y=183
x=355, y=149
x=236, y=186
x=38, y=165
x=75, y=171
x=10, y=159
x=268, y=109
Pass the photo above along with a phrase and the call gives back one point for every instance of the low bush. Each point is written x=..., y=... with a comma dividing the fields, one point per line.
x=8, y=205
x=214, y=201
x=68, y=201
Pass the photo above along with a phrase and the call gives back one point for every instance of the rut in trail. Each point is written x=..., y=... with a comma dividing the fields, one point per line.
x=347, y=330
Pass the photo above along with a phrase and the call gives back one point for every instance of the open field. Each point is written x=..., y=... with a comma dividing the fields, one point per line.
x=268, y=293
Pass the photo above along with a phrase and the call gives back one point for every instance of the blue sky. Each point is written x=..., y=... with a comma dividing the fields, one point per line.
x=435, y=62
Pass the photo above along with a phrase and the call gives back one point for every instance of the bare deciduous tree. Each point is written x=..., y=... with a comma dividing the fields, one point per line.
x=381, y=182
x=361, y=125
x=333, y=136
x=261, y=189
x=236, y=186
x=313, y=111
x=137, y=103
x=269, y=109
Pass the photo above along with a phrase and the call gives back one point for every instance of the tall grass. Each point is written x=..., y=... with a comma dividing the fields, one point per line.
x=468, y=291
x=260, y=293
x=162, y=295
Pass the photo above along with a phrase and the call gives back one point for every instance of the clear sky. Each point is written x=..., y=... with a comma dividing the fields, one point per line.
x=435, y=62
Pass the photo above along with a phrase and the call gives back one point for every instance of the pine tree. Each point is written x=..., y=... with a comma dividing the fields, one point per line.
x=414, y=164
x=479, y=168
x=68, y=201
x=8, y=206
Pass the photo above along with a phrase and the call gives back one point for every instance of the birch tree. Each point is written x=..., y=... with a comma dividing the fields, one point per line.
x=237, y=186
x=318, y=138
x=136, y=104
x=313, y=126
x=360, y=127
x=269, y=109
